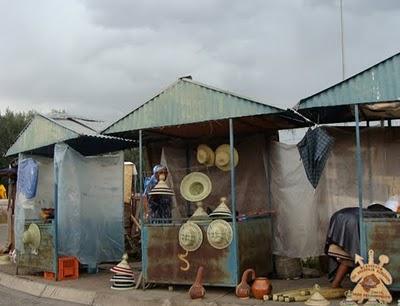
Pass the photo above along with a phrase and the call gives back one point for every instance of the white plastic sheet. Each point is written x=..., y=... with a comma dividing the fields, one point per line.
x=90, y=205
x=29, y=209
x=303, y=213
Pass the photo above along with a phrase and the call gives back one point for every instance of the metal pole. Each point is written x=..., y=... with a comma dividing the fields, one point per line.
x=360, y=184
x=56, y=169
x=342, y=38
x=233, y=196
x=188, y=210
x=141, y=204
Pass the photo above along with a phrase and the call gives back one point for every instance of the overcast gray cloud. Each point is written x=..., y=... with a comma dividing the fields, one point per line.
x=102, y=58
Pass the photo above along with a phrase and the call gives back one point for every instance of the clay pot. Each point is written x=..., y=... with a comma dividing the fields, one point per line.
x=243, y=289
x=197, y=290
x=261, y=286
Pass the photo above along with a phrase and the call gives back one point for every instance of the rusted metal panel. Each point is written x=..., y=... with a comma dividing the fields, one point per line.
x=255, y=245
x=383, y=237
x=44, y=260
x=161, y=263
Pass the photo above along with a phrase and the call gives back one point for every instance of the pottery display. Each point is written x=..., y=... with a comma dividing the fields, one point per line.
x=261, y=286
x=197, y=290
x=242, y=290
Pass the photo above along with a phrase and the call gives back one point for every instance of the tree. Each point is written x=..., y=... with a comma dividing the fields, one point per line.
x=11, y=124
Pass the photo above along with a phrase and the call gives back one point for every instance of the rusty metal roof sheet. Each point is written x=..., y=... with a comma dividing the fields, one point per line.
x=379, y=83
x=187, y=101
x=43, y=131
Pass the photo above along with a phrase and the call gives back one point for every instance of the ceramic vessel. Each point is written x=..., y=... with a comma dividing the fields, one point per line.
x=197, y=290
x=243, y=289
x=261, y=286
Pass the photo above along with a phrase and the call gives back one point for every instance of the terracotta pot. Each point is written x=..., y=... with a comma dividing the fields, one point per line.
x=197, y=290
x=261, y=286
x=243, y=289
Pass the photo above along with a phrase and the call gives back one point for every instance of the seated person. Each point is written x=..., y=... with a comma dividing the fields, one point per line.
x=159, y=205
x=343, y=238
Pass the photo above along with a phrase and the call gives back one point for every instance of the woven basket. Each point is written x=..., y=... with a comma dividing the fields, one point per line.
x=287, y=267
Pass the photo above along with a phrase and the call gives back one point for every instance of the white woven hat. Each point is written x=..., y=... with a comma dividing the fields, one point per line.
x=195, y=186
x=190, y=236
x=219, y=234
x=222, y=157
x=32, y=237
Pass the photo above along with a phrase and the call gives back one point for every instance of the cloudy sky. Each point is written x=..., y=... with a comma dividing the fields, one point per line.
x=102, y=58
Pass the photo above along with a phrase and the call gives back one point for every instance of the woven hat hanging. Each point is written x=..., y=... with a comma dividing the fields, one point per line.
x=223, y=157
x=195, y=187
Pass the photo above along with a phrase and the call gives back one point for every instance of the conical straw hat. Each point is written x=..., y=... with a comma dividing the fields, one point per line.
x=123, y=268
x=195, y=186
x=161, y=188
x=199, y=212
x=317, y=299
x=219, y=234
x=205, y=155
x=223, y=157
x=222, y=208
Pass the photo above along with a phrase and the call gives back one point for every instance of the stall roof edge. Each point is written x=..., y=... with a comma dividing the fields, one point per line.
x=375, y=84
x=175, y=107
x=42, y=131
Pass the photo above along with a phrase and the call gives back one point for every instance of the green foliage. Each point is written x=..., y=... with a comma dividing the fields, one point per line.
x=11, y=124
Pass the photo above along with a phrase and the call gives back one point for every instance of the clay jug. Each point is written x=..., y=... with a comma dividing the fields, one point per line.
x=197, y=290
x=243, y=289
x=261, y=286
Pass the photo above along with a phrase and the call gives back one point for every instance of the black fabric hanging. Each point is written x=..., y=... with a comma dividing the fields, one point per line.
x=314, y=150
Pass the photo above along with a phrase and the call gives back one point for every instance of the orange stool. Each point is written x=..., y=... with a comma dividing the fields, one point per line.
x=68, y=268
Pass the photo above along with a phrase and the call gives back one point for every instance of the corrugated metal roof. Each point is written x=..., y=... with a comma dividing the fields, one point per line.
x=379, y=83
x=43, y=131
x=185, y=102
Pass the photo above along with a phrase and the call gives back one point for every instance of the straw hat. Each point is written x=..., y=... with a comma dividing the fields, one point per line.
x=32, y=236
x=123, y=268
x=4, y=259
x=219, y=234
x=200, y=216
x=195, y=186
x=317, y=298
x=161, y=188
x=222, y=209
x=222, y=157
x=205, y=155
x=190, y=236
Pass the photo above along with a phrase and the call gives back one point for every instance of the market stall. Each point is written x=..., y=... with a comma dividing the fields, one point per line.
x=371, y=95
x=69, y=197
x=213, y=146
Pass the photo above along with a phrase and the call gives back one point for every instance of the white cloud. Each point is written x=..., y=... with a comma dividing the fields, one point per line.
x=103, y=58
